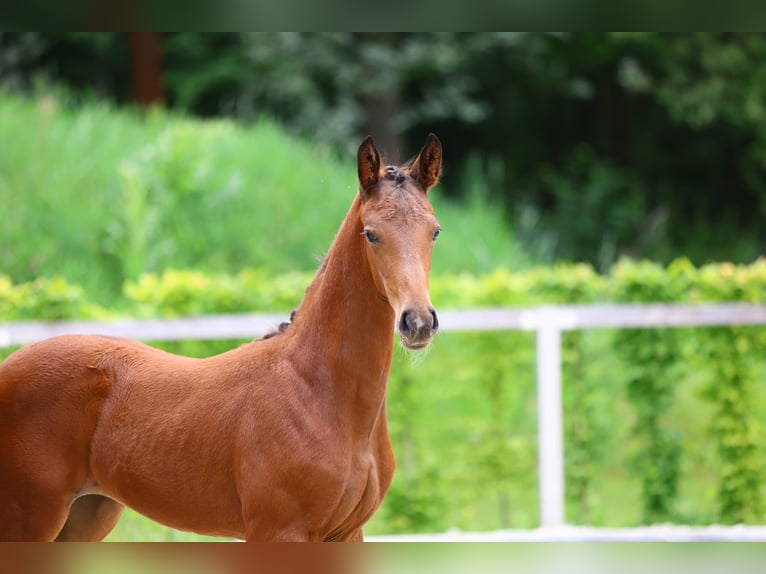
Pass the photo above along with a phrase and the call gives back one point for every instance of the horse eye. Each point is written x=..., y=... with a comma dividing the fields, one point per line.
x=436, y=233
x=371, y=237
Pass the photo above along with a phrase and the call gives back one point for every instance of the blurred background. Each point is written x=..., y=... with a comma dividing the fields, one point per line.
x=593, y=145
x=173, y=174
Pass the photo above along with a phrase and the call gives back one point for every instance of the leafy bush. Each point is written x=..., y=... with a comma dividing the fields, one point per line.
x=178, y=293
x=734, y=373
x=652, y=355
x=45, y=299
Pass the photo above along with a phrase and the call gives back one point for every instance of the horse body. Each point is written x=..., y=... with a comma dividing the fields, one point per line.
x=283, y=438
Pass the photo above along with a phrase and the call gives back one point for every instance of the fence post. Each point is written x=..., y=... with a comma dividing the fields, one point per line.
x=550, y=424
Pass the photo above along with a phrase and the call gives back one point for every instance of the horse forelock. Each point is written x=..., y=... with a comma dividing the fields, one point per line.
x=400, y=201
x=396, y=174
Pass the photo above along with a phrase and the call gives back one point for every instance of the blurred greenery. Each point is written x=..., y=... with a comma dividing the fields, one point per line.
x=596, y=145
x=100, y=195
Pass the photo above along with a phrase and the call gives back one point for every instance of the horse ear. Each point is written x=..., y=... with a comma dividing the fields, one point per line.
x=427, y=167
x=367, y=165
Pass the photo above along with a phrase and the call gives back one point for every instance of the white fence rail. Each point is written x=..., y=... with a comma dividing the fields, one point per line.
x=548, y=323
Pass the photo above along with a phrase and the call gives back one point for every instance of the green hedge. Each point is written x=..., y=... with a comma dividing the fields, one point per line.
x=661, y=424
x=45, y=299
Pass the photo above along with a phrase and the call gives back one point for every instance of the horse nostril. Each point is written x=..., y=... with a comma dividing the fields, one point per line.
x=421, y=324
x=404, y=322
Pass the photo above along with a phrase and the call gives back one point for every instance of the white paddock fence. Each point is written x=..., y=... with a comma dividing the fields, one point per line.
x=547, y=322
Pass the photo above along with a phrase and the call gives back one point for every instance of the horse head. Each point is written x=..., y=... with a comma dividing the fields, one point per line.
x=399, y=228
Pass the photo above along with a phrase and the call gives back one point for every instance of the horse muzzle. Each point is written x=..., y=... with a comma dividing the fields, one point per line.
x=417, y=327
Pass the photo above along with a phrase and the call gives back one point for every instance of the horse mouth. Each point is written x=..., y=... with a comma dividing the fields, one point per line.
x=415, y=345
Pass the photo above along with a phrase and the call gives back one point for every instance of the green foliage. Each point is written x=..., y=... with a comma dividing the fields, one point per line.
x=611, y=196
x=8, y=296
x=734, y=374
x=577, y=126
x=44, y=299
x=176, y=174
x=417, y=500
x=159, y=191
x=177, y=293
x=652, y=353
x=57, y=184
x=326, y=84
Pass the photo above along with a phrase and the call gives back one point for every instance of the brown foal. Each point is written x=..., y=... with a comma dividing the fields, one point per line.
x=284, y=438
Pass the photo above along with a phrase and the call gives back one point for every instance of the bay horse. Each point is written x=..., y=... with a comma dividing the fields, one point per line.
x=281, y=439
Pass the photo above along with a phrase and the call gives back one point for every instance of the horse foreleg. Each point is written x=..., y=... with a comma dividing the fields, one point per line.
x=90, y=519
x=35, y=516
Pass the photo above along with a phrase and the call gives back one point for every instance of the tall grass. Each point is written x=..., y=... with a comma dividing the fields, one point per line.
x=101, y=195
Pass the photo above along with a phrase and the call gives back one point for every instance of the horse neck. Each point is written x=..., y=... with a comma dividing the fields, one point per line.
x=344, y=328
